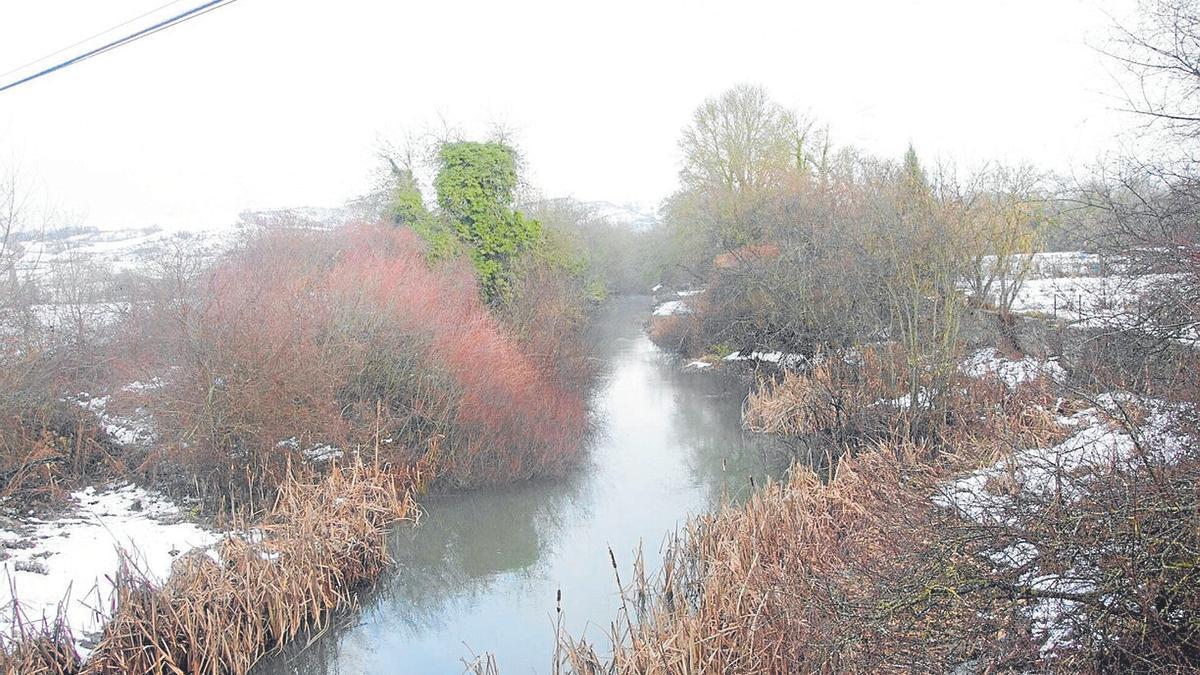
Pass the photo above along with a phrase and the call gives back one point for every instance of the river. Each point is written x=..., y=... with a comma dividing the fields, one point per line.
x=482, y=570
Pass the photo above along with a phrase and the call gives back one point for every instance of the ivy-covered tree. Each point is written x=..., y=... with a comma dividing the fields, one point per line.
x=476, y=188
x=407, y=208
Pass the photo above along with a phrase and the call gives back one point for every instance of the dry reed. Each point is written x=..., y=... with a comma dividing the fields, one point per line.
x=827, y=576
x=318, y=544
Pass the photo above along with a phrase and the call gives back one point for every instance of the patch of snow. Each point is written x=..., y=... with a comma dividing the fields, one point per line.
x=989, y=362
x=905, y=402
x=152, y=384
x=688, y=294
x=124, y=430
x=698, y=365
x=1054, y=264
x=77, y=551
x=657, y=288
x=672, y=308
x=322, y=453
x=779, y=358
x=1097, y=443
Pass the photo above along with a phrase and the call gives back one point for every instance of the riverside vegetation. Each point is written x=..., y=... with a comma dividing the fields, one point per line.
x=300, y=388
x=978, y=489
x=975, y=487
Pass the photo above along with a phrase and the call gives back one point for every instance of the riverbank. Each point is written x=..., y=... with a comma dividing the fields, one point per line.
x=224, y=605
x=483, y=571
x=1052, y=535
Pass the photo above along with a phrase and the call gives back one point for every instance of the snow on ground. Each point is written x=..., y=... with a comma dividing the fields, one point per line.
x=778, y=358
x=671, y=308
x=986, y=496
x=126, y=430
x=1110, y=302
x=1097, y=441
x=118, y=250
x=320, y=452
x=1058, y=264
x=989, y=362
x=1074, y=298
x=67, y=558
x=905, y=401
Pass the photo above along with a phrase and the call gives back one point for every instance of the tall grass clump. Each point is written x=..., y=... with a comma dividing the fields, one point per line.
x=862, y=398
x=220, y=611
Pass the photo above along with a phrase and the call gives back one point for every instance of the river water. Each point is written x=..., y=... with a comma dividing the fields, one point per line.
x=482, y=570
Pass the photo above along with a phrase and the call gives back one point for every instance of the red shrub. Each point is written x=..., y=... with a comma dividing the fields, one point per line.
x=349, y=338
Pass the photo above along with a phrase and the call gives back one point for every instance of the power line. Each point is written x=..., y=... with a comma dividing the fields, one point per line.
x=91, y=37
x=133, y=37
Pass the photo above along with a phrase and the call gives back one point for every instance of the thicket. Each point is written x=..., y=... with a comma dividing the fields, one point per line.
x=302, y=342
x=876, y=569
x=805, y=248
x=53, y=338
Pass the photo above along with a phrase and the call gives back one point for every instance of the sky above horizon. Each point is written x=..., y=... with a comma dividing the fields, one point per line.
x=278, y=103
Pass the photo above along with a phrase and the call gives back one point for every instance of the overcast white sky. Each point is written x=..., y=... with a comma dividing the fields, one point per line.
x=270, y=103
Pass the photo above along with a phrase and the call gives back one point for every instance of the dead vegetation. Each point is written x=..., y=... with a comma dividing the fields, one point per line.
x=868, y=573
x=262, y=587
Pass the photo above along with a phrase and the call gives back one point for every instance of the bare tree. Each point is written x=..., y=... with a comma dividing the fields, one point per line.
x=739, y=149
x=1150, y=209
x=1162, y=55
x=1001, y=230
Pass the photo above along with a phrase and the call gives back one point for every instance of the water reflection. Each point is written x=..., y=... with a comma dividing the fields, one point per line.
x=483, y=568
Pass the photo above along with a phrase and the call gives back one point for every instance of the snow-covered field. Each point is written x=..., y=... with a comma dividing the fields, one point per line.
x=67, y=559
x=117, y=250
x=1058, y=264
x=131, y=250
x=1090, y=299
x=1074, y=287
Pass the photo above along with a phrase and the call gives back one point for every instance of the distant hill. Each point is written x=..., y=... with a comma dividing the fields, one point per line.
x=298, y=216
x=635, y=217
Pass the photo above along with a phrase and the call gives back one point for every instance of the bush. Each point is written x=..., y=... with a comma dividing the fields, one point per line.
x=303, y=340
x=48, y=441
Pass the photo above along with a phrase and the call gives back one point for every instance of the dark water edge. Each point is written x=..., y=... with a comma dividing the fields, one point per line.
x=482, y=570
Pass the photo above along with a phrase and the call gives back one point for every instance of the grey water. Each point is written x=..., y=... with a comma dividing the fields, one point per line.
x=482, y=570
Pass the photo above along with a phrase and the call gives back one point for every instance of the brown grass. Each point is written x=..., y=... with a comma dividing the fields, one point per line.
x=306, y=557
x=762, y=588
x=844, y=404
x=863, y=573
x=812, y=576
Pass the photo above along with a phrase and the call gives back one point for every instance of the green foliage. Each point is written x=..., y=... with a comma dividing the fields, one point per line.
x=915, y=179
x=720, y=350
x=476, y=187
x=407, y=208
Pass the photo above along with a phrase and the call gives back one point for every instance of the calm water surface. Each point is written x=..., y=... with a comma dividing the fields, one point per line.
x=480, y=572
